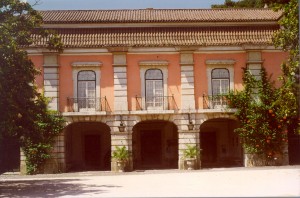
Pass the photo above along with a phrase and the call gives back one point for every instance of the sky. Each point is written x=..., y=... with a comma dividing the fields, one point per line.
x=120, y=4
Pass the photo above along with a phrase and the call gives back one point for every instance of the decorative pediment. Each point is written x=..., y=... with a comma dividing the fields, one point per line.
x=153, y=63
x=87, y=64
x=220, y=62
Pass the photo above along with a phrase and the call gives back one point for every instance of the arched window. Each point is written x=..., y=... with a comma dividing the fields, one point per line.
x=154, y=88
x=86, y=89
x=220, y=81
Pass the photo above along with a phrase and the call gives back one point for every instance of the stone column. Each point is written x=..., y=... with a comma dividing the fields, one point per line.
x=121, y=139
x=187, y=80
x=120, y=82
x=191, y=138
x=23, y=170
x=285, y=155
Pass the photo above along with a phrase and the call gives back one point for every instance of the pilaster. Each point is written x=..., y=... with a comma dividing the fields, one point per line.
x=51, y=80
x=120, y=82
x=121, y=139
x=191, y=138
x=187, y=80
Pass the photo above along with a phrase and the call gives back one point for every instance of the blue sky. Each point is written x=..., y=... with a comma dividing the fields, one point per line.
x=120, y=4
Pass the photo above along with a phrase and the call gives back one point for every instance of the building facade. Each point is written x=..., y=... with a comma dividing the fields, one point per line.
x=154, y=72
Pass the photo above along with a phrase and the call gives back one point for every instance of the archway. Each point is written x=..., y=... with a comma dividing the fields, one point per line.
x=87, y=146
x=10, y=154
x=220, y=146
x=155, y=145
x=294, y=148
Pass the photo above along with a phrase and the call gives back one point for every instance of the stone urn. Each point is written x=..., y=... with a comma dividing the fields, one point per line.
x=190, y=163
x=121, y=165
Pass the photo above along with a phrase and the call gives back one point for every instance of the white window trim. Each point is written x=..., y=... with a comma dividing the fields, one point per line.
x=220, y=64
x=145, y=65
x=82, y=66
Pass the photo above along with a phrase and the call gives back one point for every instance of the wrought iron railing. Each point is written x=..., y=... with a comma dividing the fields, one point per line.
x=215, y=101
x=88, y=104
x=156, y=103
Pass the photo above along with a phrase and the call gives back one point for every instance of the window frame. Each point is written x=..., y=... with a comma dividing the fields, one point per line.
x=144, y=66
x=86, y=66
x=212, y=78
x=86, y=81
x=158, y=79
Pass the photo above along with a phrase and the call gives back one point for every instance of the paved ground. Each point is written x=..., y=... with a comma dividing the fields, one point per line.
x=229, y=182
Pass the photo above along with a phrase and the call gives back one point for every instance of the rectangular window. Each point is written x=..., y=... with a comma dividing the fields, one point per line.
x=86, y=83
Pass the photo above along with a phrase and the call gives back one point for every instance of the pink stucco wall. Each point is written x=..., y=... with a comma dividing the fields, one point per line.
x=272, y=61
x=38, y=61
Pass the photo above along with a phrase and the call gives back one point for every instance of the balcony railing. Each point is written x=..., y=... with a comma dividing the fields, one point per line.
x=88, y=104
x=156, y=103
x=214, y=101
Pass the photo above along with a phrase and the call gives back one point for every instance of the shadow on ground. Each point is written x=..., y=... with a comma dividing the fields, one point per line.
x=50, y=188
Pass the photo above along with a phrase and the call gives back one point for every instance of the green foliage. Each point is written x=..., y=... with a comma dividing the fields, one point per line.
x=191, y=151
x=263, y=127
x=250, y=3
x=24, y=112
x=287, y=38
x=240, y=4
x=121, y=153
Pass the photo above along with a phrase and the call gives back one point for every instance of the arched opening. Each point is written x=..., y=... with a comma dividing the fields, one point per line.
x=10, y=154
x=220, y=146
x=294, y=148
x=155, y=145
x=87, y=146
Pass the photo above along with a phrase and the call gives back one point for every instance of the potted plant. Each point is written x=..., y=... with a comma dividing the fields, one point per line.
x=190, y=156
x=121, y=154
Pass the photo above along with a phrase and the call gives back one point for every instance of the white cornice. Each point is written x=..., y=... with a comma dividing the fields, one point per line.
x=152, y=49
x=85, y=50
x=234, y=49
x=130, y=25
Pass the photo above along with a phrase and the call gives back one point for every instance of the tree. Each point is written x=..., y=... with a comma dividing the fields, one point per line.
x=263, y=129
x=240, y=4
x=283, y=102
x=24, y=112
x=287, y=39
x=250, y=3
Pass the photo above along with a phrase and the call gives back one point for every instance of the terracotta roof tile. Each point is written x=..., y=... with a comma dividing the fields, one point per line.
x=153, y=37
x=159, y=15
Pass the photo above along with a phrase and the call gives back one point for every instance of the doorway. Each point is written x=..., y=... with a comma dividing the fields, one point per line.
x=9, y=154
x=88, y=147
x=92, y=150
x=220, y=145
x=209, y=147
x=151, y=148
x=155, y=145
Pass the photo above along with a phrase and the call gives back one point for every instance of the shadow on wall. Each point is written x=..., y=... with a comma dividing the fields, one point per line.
x=51, y=188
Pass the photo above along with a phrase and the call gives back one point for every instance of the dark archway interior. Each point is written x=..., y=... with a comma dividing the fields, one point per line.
x=9, y=154
x=155, y=145
x=220, y=146
x=88, y=146
x=294, y=148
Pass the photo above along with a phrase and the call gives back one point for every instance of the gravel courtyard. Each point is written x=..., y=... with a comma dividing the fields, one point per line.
x=227, y=182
